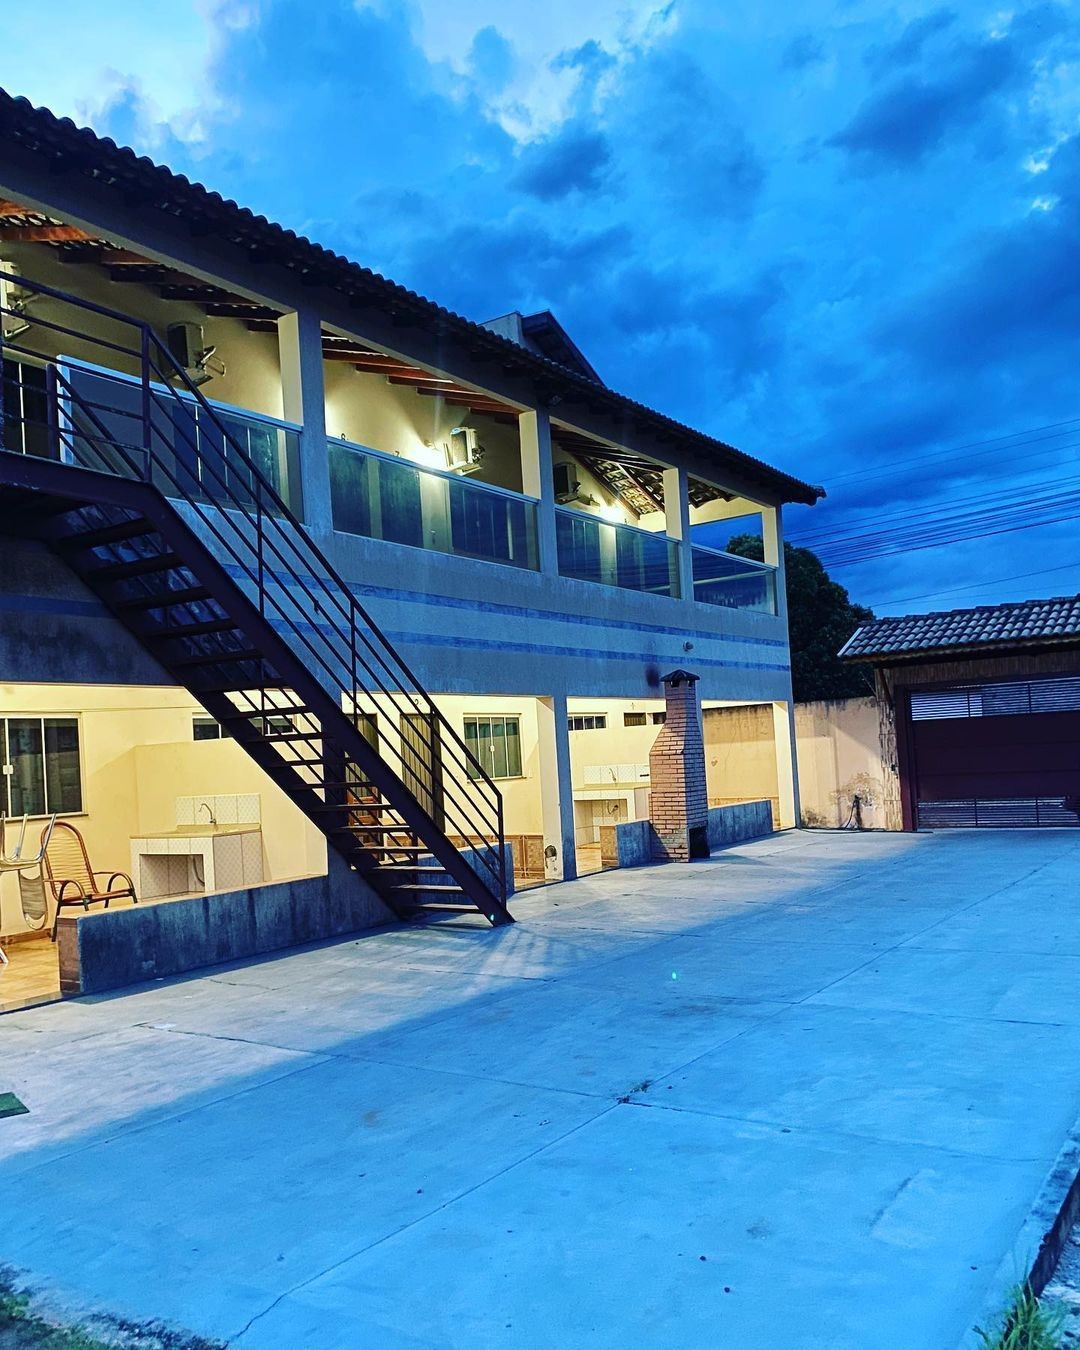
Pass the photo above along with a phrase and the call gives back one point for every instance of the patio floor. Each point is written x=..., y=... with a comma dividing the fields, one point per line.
x=799, y=1095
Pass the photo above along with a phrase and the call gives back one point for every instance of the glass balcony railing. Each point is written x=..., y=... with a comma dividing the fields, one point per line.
x=206, y=464
x=383, y=497
x=591, y=549
x=736, y=583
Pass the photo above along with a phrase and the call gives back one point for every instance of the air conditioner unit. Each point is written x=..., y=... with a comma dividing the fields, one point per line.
x=13, y=304
x=566, y=485
x=186, y=344
x=464, y=453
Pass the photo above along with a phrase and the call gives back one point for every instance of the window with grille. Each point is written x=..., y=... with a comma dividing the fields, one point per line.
x=588, y=722
x=495, y=742
x=42, y=766
x=658, y=718
x=634, y=719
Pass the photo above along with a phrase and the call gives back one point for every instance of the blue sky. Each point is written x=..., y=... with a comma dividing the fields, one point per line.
x=841, y=235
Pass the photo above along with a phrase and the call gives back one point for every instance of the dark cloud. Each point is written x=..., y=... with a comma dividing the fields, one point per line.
x=491, y=58
x=576, y=160
x=903, y=123
x=835, y=323
x=908, y=47
x=1017, y=293
x=806, y=49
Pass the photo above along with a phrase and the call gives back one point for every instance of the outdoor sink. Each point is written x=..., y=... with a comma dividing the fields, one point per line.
x=200, y=831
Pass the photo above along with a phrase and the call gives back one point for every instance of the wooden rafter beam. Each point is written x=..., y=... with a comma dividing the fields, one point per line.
x=42, y=234
x=226, y=310
x=426, y=383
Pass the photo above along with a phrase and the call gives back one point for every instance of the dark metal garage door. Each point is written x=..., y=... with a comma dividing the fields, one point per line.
x=997, y=754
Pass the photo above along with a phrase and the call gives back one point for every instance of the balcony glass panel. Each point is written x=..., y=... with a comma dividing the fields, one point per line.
x=591, y=549
x=382, y=497
x=736, y=583
x=207, y=448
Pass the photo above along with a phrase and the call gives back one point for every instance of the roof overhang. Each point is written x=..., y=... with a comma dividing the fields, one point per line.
x=53, y=151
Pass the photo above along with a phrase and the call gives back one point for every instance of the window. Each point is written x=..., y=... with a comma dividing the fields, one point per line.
x=496, y=743
x=205, y=728
x=633, y=719
x=41, y=764
x=588, y=722
x=658, y=718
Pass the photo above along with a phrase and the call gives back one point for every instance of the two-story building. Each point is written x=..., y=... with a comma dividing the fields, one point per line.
x=276, y=527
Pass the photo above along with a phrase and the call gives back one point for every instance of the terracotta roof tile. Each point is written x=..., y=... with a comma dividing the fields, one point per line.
x=1024, y=623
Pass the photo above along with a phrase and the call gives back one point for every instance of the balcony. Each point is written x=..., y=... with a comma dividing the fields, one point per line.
x=733, y=582
x=591, y=549
x=383, y=497
x=205, y=464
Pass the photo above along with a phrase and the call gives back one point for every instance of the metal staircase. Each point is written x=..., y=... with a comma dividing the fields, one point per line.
x=147, y=494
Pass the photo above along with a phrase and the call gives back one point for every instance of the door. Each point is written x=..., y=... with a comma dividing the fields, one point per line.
x=1005, y=755
x=421, y=762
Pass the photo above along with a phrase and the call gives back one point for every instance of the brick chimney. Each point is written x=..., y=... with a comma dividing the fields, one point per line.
x=679, y=802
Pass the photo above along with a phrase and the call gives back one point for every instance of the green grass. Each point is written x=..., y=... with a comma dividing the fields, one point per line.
x=23, y=1328
x=20, y=1327
x=1025, y=1325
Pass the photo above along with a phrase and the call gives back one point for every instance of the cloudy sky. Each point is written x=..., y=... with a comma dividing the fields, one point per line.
x=842, y=235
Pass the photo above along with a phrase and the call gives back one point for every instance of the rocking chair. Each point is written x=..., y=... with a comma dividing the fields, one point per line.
x=73, y=881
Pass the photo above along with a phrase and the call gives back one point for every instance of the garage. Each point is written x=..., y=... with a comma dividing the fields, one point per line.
x=979, y=714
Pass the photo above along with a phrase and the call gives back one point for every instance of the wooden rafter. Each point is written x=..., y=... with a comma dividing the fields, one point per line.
x=41, y=234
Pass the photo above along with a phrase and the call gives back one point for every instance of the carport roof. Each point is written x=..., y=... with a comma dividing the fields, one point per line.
x=1027, y=623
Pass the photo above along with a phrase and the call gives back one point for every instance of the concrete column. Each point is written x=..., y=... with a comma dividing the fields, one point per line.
x=772, y=536
x=556, y=788
x=303, y=400
x=534, y=431
x=677, y=524
x=787, y=763
x=787, y=771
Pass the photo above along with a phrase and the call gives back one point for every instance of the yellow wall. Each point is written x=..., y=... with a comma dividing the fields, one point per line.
x=138, y=755
x=838, y=753
x=292, y=846
x=365, y=409
x=253, y=373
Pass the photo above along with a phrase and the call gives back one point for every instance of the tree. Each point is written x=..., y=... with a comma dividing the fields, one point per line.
x=821, y=618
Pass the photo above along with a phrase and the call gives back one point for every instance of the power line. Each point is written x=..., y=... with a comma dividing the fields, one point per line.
x=947, y=532
x=972, y=445
x=934, y=543
x=974, y=586
x=1021, y=486
x=954, y=525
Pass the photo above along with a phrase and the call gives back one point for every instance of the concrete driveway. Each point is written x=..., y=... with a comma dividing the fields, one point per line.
x=800, y=1095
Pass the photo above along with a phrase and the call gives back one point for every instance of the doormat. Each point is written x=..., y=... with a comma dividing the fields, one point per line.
x=11, y=1106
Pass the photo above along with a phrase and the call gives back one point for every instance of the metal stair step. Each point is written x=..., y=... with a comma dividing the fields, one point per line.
x=185, y=630
x=246, y=716
x=138, y=567
x=213, y=659
x=411, y=887
x=76, y=542
x=165, y=599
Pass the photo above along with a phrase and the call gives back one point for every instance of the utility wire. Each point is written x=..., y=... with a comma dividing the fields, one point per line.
x=970, y=528
x=974, y=586
x=919, y=547
x=1018, y=492
x=946, y=531
x=974, y=445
